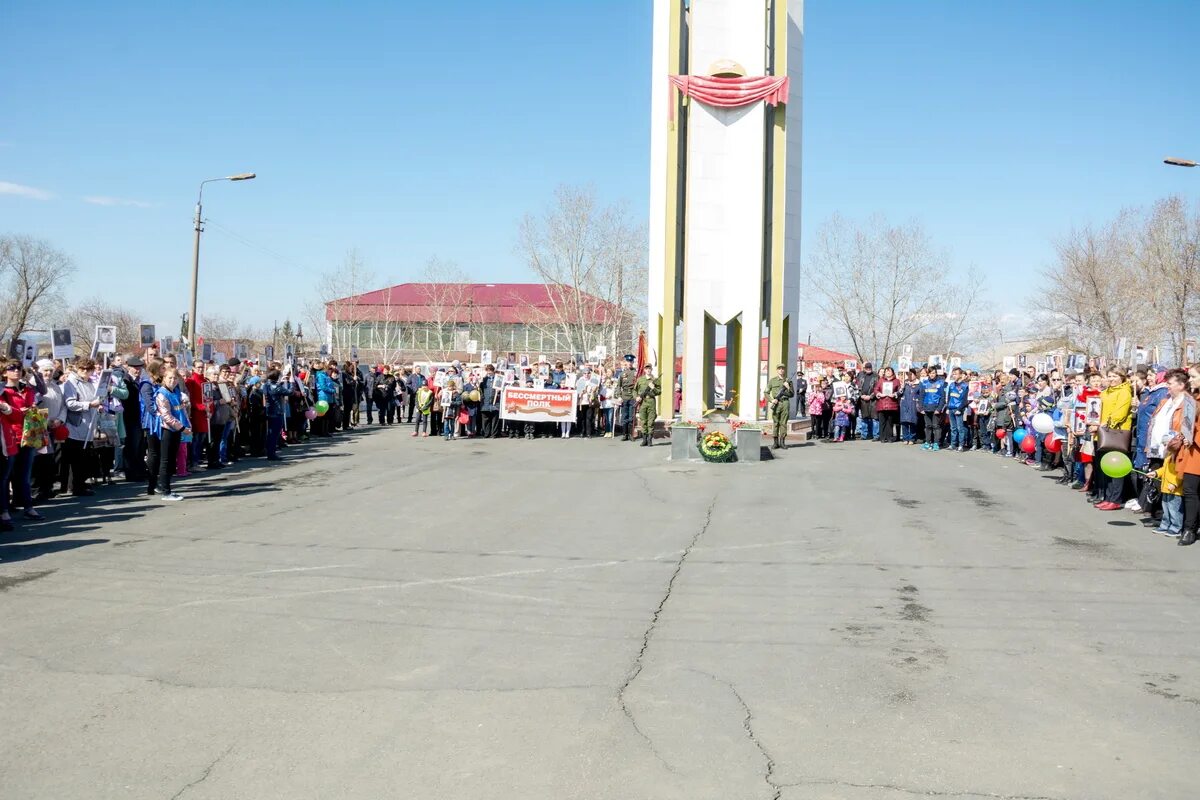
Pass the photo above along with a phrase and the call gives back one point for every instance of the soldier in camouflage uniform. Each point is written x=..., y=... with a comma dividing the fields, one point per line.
x=779, y=401
x=625, y=391
x=647, y=389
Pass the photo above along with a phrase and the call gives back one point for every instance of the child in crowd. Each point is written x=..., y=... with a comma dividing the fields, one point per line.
x=424, y=409
x=1172, y=498
x=529, y=427
x=450, y=403
x=1020, y=420
x=843, y=408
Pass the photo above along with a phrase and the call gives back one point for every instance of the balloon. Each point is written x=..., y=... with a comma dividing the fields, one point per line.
x=1116, y=465
x=322, y=408
x=1019, y=435
x=1001, y=433
x=1029, y=444
x=1043, y=423
x=310, y=413
x=1052, y=443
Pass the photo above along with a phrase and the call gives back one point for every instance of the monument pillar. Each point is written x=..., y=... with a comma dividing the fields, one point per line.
x=724, y=193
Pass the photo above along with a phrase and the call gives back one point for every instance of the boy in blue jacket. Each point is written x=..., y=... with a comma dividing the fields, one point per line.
x=957, y=399
x=933, y=405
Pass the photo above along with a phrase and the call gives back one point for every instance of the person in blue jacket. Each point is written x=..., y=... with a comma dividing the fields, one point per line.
x=910, y=402
x=933, y=405
x=1149, y=393
x=275, y=392
x=957, y=399
x=327, y=391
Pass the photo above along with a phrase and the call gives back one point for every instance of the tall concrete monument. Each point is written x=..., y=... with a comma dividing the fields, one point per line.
x=724, y=195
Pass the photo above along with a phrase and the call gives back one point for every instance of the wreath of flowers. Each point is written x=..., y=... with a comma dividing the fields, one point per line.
x=717, y=448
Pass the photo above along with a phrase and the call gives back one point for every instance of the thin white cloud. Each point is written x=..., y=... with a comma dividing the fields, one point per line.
x=24, y=191
x=101, y=200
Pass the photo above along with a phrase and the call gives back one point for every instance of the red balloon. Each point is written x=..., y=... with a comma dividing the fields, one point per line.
x=1001, y=433
x=1029, y=444
x=1052, y=443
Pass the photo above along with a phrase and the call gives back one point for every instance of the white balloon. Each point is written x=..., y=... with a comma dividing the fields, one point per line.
x=1043, y=422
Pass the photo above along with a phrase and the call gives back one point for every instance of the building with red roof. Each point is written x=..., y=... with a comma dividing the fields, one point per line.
x=444, y=321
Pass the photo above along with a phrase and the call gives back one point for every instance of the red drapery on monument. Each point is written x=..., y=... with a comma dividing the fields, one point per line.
x=730, y=92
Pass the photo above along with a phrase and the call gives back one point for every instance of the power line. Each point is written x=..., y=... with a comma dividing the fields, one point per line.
x=237, y=237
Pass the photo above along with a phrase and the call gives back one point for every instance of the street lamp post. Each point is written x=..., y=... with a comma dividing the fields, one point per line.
x=1179, y=162
x=191, y=336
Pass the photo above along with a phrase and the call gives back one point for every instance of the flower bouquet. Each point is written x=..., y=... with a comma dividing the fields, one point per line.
x=717, y=448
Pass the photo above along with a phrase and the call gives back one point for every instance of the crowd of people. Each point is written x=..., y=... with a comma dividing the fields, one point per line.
x=1062, y=420
x=464, y=402
x=76, y=426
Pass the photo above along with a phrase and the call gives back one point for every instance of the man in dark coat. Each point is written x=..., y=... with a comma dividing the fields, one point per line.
x=415, y=380
x=349, y=394
x=134, y=446
x=489, y=404
x=865, y=383
x=385, y=395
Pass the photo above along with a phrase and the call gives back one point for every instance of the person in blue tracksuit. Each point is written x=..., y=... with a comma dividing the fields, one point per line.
x=957, y=399
x=275, y=393
x=933, y=405
x=326, y=391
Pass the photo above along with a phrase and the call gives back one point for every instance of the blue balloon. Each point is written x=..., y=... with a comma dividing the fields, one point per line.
x=1019, y=435
x=1057, y=415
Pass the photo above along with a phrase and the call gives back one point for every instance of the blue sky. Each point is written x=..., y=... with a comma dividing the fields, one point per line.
x=416, y=129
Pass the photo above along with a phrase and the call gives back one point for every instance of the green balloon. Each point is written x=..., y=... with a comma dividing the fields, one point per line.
x=1116, y=465
x=322, y=407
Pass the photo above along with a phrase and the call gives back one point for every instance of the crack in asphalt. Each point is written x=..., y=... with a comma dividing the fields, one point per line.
x=748, y=726
x=646, y=485
x=204, y=775
x=921, y=792
x=648, y=634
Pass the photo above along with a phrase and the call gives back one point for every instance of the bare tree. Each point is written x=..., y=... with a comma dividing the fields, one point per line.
x=885, y=286
x=83, y=319
x=217, y=326
x=592, y=260
x=967, y=323
x=32, y=276
x=1091, y=297
x=333, y=314
x=446, y=290
x=1166, y=262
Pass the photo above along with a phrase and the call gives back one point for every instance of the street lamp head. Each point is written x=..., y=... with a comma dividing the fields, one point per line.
x=245, y=176
x=1179, y=162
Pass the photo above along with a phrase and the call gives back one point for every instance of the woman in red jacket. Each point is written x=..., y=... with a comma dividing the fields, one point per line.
x=887, y=403
x=198, y=415
x=15, y=399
